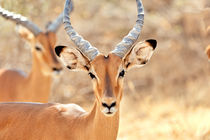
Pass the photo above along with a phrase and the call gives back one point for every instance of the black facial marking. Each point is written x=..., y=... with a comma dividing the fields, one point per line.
x=92, y=75
x=122, y=73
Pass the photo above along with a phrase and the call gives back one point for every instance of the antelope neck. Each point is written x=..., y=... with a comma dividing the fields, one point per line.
x=104, y=127
x=40, y=83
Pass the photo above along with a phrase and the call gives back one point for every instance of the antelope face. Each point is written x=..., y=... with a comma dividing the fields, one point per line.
x=42, y=43
x=44, y=50
x=107, y=72
x=107, y=75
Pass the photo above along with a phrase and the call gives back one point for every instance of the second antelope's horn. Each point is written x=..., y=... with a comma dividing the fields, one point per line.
x=18, y=19
x=54, y=26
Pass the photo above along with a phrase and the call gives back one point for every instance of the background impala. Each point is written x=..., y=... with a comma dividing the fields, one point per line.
x=36, y=86
x=168, y=98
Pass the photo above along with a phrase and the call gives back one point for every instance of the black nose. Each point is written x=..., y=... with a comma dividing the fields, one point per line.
x=57, y=69
x=109, y=106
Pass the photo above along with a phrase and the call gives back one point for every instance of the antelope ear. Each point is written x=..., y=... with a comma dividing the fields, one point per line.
x=25, y=33
x=140, y=54
x=72, y=58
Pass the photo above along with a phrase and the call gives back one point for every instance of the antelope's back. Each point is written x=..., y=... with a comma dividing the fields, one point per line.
x=36, y=121
x=23, y=121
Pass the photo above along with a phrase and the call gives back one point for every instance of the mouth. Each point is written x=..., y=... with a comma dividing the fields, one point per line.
x=109, y=112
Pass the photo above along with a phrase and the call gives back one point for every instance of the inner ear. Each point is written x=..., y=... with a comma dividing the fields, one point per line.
x=140, y=54
x=25, y=33
x=72, y=58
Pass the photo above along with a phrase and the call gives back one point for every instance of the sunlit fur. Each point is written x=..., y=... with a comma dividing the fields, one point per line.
x=107, y=85
x=67, y=122
x=208, y=51
x=55, y=122
x=16, y=86
x=27, y=121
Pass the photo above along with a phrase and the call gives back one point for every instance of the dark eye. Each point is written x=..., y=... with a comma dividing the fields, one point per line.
x=122, y=73
x=38, y=48
x=92, y=75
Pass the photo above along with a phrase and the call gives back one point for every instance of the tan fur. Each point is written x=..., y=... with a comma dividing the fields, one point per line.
x=54, y=122
x=35, y=87
x=208, y=51
x=63, y=122
x=27, y=121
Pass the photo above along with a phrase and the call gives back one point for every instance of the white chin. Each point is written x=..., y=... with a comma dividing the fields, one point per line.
x=108, y=112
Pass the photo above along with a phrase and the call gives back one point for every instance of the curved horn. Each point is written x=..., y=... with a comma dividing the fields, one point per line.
x=54, y=26
x=18, y=19
x=83, y=45
x=125, y=45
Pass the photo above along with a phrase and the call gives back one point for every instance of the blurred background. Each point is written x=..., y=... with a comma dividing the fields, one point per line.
x=169, y=98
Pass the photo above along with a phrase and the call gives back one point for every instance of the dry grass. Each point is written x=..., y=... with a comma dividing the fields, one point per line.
x=168, y=98
x=163, y=120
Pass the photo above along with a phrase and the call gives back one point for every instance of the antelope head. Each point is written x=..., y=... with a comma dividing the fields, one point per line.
x=106, y=72
x=42, y=43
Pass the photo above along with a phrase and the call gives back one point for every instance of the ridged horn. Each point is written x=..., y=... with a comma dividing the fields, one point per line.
x=18, y=19
x=54, y=26
x=126, y=44
x=83, y=45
